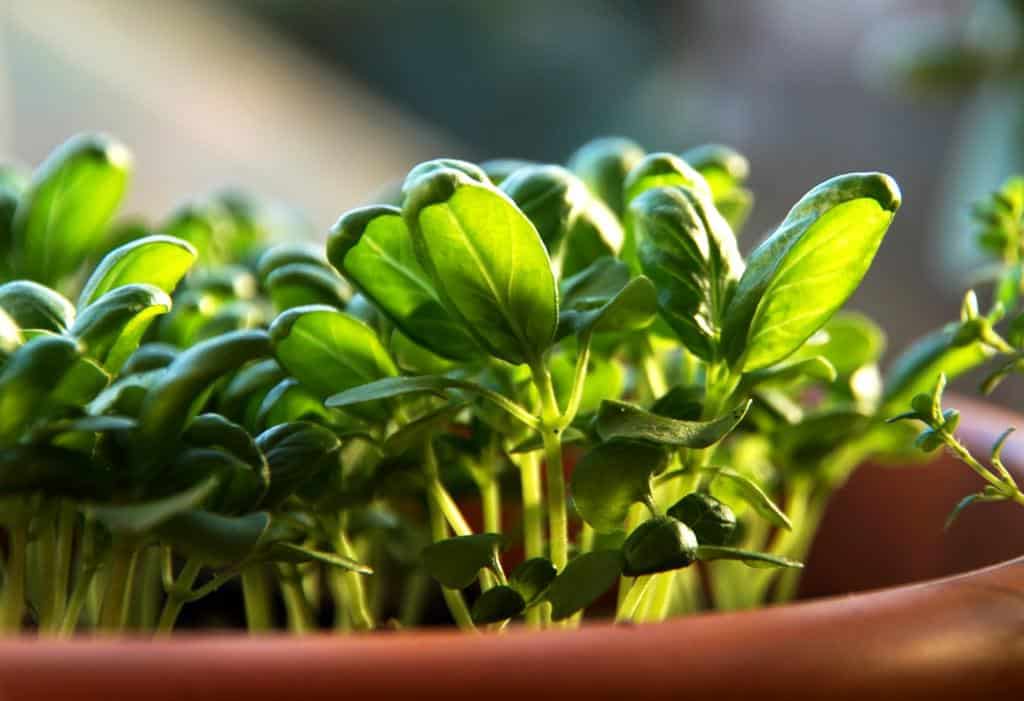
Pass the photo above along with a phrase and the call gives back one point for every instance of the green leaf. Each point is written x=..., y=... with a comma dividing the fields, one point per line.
x=62, y=217
x=531, y=578
x=551, y=197
x=498, y=169
x=602, y=299
x=658, y=545
x=296, y=454
x=240, y=485
x=183, y=387
x=111, y=328
x=597, y=233
x=329, y=351
x=583, y=581
x=619, y=420
x=54, y=472
x=372, y=247
x=160, y=261
x=662, y=170
x=80, y=384
x=710, y=520
x=428, y=169
x=34, y=306
x=297, y=554
x=986, y=495
x=753, y=495
x=603, y=165
x=142, y=517
x=497, y=604
x=150, y=356
x=851, y=341
x=213, y=538
x=747, y=557
x=814, y=368
x=241, y=398
x=689, y=251
x=916, y=369
x=302, y=284
x=32, y=372
x=797, y=279
x=208, y=226
x=487, y=262
x=725, y=171
x=287, y=253
x=611, y=478
x=289, y=400
x=455, y=562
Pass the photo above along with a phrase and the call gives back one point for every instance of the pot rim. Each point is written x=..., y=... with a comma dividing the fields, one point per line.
x=954, y=637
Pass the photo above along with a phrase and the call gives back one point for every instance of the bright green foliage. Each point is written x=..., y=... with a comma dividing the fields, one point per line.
x=215, y=406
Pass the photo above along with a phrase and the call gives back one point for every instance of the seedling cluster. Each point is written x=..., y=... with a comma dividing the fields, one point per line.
x=548, y=389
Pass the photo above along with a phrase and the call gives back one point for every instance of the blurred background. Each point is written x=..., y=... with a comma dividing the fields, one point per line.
x=319, y=103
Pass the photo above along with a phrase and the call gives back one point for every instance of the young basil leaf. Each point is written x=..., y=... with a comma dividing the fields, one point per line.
x=241, y=398
x=916, y=369
x=797, y=279
x=208, y=226
x=725, y=171
x=288, y=253
x=551, y=197
x=80, y=384
x=296, y=453
x=34, y=306
x=111, y=328
x=428, y=168
x=603, y=165
x=150, y=356
x=750, y=558
x=851, y=341
x=689, y=251
x=753, y=495
x=62, y=217
x=619, y=420
x=32, y=372
x=662, y=170
x=213, y=538
x=583, y=581
x=160, y=261
x=497, y=604
x=289, y=400
x=372, y=247
x=658, y=545
x=456, y=561
x=53, y=471
x=328, y=350
x=303, y=284
x=531, y=578
x=141, y=517
x=594, y=301
x=487, y=261
x=813, y=368
x=597, y=233
x=612, y=477
x=184, y=385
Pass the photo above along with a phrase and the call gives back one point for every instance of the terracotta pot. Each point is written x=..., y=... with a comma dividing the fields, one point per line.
x=955, y=638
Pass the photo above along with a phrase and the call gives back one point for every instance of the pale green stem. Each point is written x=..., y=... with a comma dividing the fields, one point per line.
x=256, y=593
x=87, y=566
x=178, y=595
x=355, y=594
x=632, y=599
x=558, y=518
x=14, y=578
x=120, y=574
x=295, y=603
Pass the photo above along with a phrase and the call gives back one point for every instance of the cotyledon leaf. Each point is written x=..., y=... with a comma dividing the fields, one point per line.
x=487, y=262
x=34, y=306
x=620, y=420
x=161, y=261
x=798, y=278
x=373, y=248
